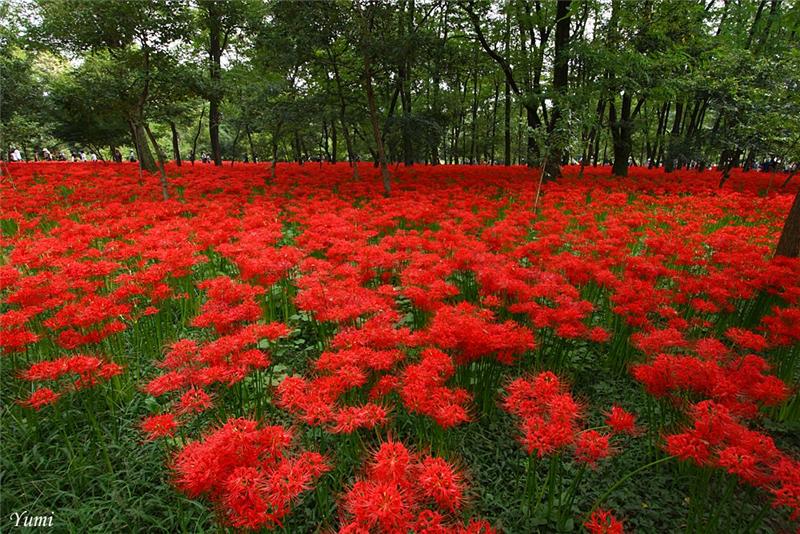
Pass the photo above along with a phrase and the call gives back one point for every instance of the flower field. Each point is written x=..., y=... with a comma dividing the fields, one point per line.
x=303, y=354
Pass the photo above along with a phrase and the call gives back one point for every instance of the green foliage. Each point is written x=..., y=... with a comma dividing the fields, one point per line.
x=291, y=81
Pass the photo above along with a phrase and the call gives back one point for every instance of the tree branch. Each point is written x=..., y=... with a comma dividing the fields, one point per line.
x=500, y=60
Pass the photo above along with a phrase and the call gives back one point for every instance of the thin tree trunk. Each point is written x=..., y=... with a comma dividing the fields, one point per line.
x=233, y=149
x=176, y=150
x=474, y=116
x=348, y=141
x=250, y=142
x=494, y=121
x=660, y=133
x=376, y=129
x=672, y=148
x=275, y=140
x=161, y=158
x=197, y=135
x=334, y=142
x=788, y=179
x=789, y=242
x=143, y=153
x=560, y=81
x=215, y=57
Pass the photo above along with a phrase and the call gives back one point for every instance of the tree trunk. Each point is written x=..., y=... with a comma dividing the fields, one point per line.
x=622, y=132
x=233, y=148
x=348, y=141
x=494, y=122
x=621, y=144
x=507, y=126
x=197, y=135
x=662, y=130
x=755, y=23
x=560, y=80
x=334, y=142
x=533, y=122
x=474, y=117
x=176, y=150
x=161, y=158
x=788, y=179
x=376, y=129
x=143, y=153
x=275, y=139
x=672, y=148
x=215, y=96
x=789, y=242
x=250, y=142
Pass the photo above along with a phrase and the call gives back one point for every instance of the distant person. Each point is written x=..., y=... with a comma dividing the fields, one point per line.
x=46, y=155
x=117, y=156
x=15, y=154
x=83, y=155
x=131, y=156
x=62, y=156
x=94, y=157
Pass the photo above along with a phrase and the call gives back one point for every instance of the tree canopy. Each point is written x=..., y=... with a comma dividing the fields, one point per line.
x=666, y=82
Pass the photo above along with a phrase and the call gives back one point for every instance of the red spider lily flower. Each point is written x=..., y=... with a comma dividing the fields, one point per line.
x=591, y=446
x=746, y=339
x=598, y=335
x=398, y=491
x=40, y=398
x=194, y=400
x=351, y=418
x=781, y=326
x=8, y=276
x=243, y=498
x=382, y=506
x=229, y=304
x=717, y=439
x=85, y=371
x=440, y=482
x=786, y=488
x=549, y=414
x=603, y=522
x=391, y=462
x=15, y=340
x=251, y=472
x=159, y=426
x=422, y=389
x=470, y=333
x=741, y=384
x=385, y=385
x=621, y=421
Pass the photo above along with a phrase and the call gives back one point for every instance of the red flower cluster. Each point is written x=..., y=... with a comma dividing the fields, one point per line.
x=717, y=439
x=470, y=333
x=250, y=472
x=403, y=492
x=71, y=372
x=603, y=522
x=423, y=390
x=229, y=304
x=643, y=263
x=159, y=426
x=739, y=383
x=550, y=419
x=226, y=360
